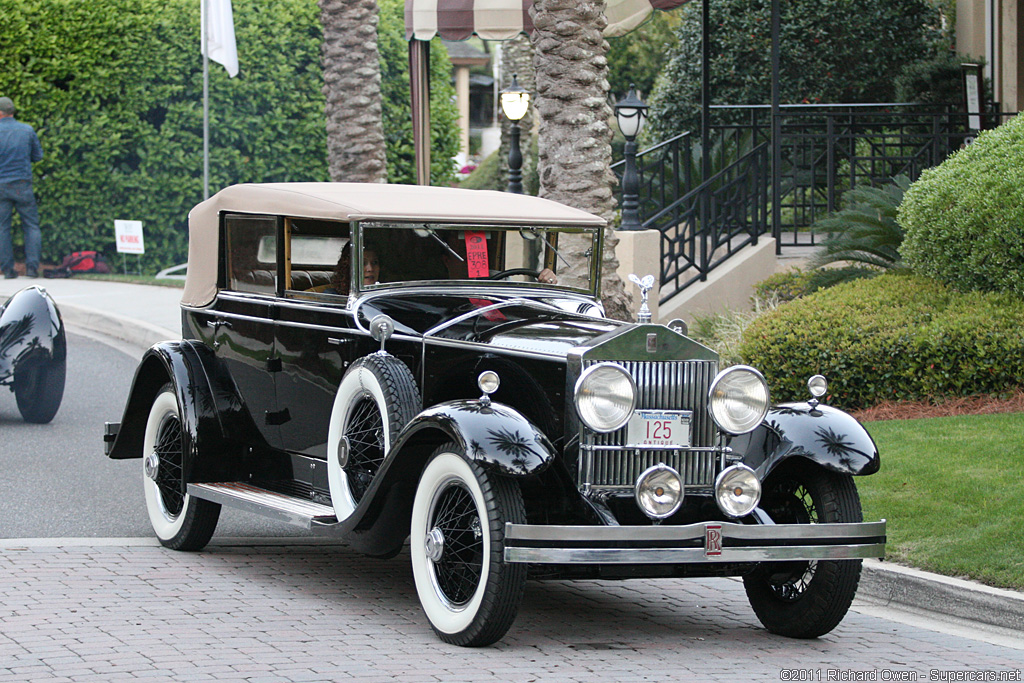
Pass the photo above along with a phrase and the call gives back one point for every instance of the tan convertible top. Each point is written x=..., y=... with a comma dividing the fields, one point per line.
x=355, y=202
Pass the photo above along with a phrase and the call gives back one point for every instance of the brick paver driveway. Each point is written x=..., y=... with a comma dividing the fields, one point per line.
x=276, y=613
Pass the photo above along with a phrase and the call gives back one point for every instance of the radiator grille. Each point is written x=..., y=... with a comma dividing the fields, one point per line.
x=667, y=385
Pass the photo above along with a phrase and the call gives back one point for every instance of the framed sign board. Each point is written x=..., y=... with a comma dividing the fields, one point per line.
x=973, y=95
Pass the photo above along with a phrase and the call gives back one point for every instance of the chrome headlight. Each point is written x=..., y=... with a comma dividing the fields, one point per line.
x=738, y=399
x=605, y=397
x=737, y=490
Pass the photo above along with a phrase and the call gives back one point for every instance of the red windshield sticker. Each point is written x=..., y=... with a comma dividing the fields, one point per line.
x=476, y=255
x=494, y=316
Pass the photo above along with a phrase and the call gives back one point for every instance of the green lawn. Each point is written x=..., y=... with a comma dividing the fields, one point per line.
x=952, y=490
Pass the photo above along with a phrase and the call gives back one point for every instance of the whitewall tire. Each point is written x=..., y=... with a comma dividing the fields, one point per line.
x=468, y=592
x=180, y=521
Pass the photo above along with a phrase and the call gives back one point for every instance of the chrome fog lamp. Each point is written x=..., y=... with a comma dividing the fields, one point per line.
x=817, y=385
x=659, y=491
x=605, y=397
x=738, y=399
x=737, y=490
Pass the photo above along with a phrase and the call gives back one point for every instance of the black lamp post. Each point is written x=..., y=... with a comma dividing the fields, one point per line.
x=515, y=100
x=630, y=114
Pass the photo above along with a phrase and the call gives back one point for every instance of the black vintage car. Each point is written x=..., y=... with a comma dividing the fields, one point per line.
x=33, y=353
x=397, y=362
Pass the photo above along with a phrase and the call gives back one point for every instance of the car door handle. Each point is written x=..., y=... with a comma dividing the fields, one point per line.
x=338, y=341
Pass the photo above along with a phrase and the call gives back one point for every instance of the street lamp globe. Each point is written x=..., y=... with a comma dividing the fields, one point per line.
x=630, y=114
x=515, y=100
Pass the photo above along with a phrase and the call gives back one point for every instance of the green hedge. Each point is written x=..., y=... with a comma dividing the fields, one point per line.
x=890, y=337
x=831, y=51
x=964, y=219
x=114, y=88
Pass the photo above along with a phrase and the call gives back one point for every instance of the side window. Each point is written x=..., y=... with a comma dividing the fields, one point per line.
x=251, y=247
x=318, y=256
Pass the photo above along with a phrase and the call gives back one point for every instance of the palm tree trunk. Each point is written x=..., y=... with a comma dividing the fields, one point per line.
x=355, y=133
x=575, y=136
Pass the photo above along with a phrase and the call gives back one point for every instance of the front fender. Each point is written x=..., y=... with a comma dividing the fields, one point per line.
x=210, y=406
x=30, y=325
x=492, y=434
x=824, y=435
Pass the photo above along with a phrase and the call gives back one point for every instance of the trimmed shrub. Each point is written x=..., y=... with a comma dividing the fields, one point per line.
x=892, y=337
x=114, y=88
x=795, y=283
x=964, y=219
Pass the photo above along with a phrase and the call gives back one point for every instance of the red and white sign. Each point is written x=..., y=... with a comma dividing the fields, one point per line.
x=476, y=254
x=128, y=235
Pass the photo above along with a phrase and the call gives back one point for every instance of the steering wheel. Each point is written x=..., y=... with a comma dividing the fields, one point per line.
x=535, y=274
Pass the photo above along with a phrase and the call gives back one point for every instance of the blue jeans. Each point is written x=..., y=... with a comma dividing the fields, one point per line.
x=18, y=195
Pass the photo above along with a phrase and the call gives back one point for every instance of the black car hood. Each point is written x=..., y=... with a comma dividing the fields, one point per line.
x=518, y=324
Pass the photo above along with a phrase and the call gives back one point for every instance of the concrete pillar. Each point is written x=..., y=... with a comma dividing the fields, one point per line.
x=639, y=252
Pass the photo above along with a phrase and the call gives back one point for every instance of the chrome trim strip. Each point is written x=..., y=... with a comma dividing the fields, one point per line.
x=689, y=532
x=627, y=449
x=689, y=555
x=474, y=313
x=519, y=353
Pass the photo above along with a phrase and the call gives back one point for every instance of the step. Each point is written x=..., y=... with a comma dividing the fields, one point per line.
x=279, y=506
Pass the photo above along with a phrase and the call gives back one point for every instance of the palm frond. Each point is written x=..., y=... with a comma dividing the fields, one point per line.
x=865, y=230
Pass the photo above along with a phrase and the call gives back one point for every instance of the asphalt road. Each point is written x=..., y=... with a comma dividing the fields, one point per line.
x=56, y=482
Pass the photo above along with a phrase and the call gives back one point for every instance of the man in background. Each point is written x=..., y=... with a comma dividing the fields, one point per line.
x=19, y=148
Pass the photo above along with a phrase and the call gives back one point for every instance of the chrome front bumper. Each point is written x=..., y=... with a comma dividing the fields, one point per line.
x=702, y=542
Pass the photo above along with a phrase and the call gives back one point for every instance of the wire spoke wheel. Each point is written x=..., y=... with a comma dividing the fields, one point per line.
x=168, y=449
x=377, y=397
x=457, y=545
x=805, y=599
x=458, y=571
x=180, y=521
x=365, y=434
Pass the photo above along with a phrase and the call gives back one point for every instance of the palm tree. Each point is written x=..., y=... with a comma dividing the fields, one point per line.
x=574, y=137
x=355, y=133
x=865, y=231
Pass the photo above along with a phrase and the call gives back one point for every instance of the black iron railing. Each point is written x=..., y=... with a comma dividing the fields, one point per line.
x=825, y=150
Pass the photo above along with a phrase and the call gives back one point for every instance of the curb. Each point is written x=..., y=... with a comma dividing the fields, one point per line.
x=908, y=587
x=135, y=332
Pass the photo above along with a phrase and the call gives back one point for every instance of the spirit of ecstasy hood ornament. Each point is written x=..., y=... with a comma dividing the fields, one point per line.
x=645, y=285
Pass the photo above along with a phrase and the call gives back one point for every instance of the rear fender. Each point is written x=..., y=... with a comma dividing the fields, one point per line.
x=211, y=409
x=30, y=326
x=824, y=435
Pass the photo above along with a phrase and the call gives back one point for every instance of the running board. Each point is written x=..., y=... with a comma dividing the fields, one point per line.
x=284, y=508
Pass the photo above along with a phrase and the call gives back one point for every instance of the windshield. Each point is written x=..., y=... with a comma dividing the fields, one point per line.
x=461, y=254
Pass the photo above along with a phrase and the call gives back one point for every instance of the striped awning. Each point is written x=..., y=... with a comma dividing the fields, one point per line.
x=503, y=19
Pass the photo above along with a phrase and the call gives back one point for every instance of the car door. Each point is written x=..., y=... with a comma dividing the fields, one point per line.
x=315, y=340
x=242, y=320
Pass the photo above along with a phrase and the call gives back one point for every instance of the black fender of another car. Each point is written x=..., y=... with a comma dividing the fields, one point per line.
x=824, y=435
x=30, y=327
x=211, y=410
x=493, y=435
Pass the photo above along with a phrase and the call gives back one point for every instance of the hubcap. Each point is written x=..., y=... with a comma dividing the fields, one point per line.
x=152, y=465
x=435, y=545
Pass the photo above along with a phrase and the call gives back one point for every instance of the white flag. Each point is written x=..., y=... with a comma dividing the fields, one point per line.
x=219, y=34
